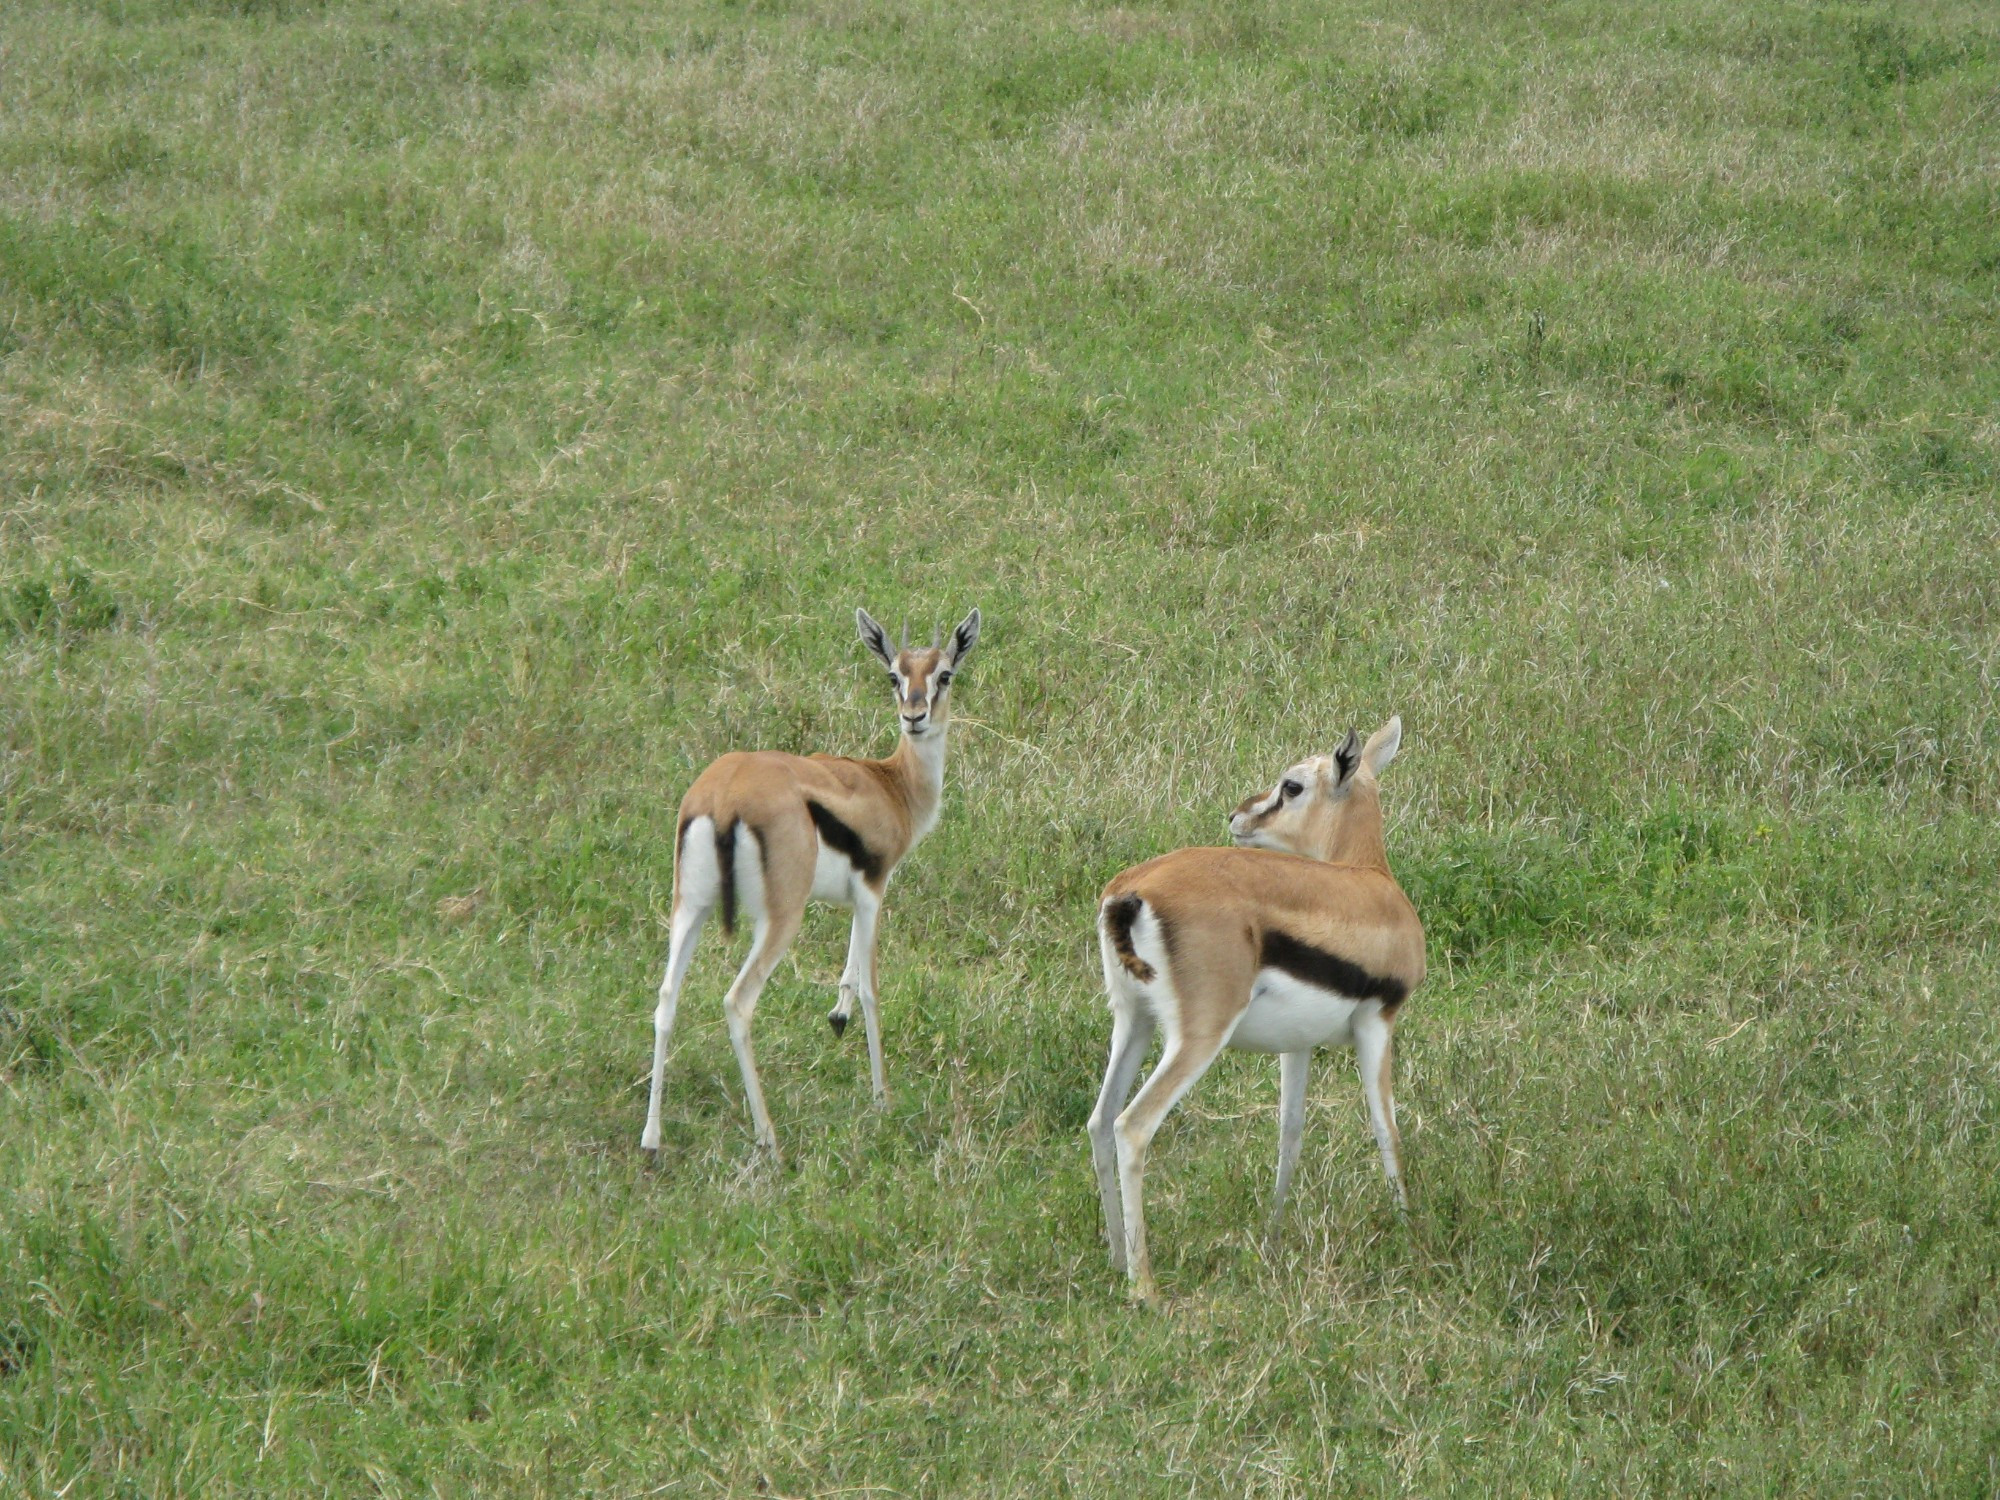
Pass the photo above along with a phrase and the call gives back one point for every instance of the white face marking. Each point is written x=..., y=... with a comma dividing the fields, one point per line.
x=1253, y=825
x=920, y=679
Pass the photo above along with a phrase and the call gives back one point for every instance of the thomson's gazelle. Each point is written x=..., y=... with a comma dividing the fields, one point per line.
x=1301, y=938
x=768, y=832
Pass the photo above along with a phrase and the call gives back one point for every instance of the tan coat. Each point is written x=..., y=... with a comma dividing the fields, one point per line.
x=767, y=832
x=1300, y=940
x=1224, y=914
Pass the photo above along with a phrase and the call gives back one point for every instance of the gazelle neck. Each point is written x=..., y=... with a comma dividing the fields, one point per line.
x=919, y=762
x=1356, y=835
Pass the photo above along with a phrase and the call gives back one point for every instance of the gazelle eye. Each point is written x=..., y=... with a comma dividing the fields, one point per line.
x=1290, y=789
x=944, y=679
x=892, y=681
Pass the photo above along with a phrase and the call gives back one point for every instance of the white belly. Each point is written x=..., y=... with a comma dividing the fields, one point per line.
x=833, y=877
x=1286, y=1015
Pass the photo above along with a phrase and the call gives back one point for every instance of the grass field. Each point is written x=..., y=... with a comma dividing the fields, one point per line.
x=430, y=431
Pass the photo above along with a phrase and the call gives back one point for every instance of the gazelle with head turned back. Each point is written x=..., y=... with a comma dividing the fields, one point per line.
x=766, y=832
x=1298, y=938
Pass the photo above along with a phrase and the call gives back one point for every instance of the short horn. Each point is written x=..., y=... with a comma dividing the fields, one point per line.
x=906, y=634
x=937, y=637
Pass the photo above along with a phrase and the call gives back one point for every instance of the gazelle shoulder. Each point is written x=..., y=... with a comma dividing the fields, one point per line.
x=846, y=776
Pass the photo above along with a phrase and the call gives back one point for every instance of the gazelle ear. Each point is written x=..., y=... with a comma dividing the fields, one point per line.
x=1382, y=746
x=1346, y=758
x=962, y=639
x=874, y=637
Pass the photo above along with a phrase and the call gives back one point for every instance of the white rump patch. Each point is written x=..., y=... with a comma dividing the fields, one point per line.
x=750, y=905
x=700, y=881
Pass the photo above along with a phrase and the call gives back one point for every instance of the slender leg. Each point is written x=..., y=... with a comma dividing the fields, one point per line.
x=772, y=938
x=850, y=980
x=681, y=939
x=1131, y=1032
x=1185, y=1060
x=1372, y=1055
x=861, y=957
x=1292, y=1070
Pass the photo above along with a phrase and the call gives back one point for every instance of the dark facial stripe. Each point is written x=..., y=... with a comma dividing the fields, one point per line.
x=725, y=864
x=1329, y=971
x=1119, y=916
x=837, y=836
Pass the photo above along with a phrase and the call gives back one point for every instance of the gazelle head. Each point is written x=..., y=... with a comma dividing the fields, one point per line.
x=1324, y=807
x=920, y=676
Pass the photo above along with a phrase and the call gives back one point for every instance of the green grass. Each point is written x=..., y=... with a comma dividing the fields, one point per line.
x=433, y=430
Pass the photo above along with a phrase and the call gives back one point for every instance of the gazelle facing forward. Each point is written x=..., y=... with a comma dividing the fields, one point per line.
x=1298, y=939
x=767, y=832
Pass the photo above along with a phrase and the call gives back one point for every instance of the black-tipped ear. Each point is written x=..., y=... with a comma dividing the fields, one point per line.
x=962, y=639
x=1348, y=756
x=874, y=637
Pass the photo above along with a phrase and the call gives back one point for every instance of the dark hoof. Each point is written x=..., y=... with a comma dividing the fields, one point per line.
x=838, y=1022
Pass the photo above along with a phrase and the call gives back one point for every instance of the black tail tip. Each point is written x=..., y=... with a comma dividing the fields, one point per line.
x=838, y=1022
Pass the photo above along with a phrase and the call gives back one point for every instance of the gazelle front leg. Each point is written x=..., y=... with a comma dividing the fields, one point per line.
x=850, y=982
x=1373, y=1056
x=1293, y=1068
x=857, y=981
x=867, y=921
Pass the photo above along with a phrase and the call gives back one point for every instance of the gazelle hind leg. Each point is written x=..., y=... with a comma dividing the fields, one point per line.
x=1185, y=1060
x=1131, y=1032
x=769, y=945
x=1373, y=1056
x=696, y=889
x=776, y=915
x=1293, y=1068
x=682, y=937
x=773, y=868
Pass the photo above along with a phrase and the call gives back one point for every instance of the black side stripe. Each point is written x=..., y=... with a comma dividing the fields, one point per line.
x=725, y=863
x=837, y=836
x=1119, y=916
x=1329, y=971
